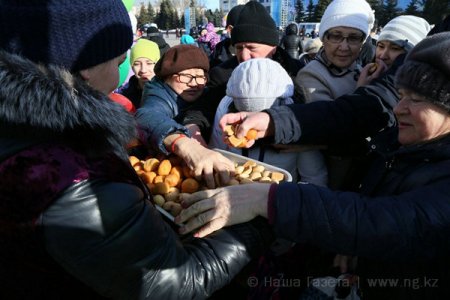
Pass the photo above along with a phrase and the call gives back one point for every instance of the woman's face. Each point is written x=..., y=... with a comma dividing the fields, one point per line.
x=105, y=76
x=388, y=52
x=419, y=120
x=143, y=69
x=342, y=45
x=188, y=84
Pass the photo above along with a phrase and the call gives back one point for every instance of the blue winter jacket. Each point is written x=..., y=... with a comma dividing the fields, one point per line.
x=156, y=116
x=398, y=225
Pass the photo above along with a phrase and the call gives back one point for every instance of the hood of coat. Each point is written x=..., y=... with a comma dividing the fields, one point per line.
x=50, y=104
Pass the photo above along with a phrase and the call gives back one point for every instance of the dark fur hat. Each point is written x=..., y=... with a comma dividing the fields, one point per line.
x=426, y=70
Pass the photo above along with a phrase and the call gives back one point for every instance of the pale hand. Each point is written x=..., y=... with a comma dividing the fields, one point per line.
x=260, y=121
x=204, y=162
x=210, y=210
x=366, y=77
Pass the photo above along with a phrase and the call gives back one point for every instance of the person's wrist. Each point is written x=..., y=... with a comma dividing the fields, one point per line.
x=177, y=140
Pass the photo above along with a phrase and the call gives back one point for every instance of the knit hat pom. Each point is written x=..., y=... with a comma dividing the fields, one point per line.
x=145, y=48
x=258, y=84
x=347, y=13
x=405, y=31
x=426, y=70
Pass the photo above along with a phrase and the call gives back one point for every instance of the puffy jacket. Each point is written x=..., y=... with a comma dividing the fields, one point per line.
x=156, y=116
x=76, y=222
x=292, y=42
x=132, y=91
x=398, y=226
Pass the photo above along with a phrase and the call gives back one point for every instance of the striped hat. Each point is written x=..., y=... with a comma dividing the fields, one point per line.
x=405, y=31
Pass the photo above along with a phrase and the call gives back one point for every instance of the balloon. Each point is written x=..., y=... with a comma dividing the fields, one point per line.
x=128, y=4
x=124, y=68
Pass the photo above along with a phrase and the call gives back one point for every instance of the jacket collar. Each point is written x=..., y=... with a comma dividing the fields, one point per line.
x=40, y=103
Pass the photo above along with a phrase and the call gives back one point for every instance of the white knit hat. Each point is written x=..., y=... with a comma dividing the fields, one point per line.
x=405, y=31
x=258, y=84
x=348, y=13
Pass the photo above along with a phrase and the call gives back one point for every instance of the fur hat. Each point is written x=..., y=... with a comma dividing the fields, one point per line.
x=233, y=15
x=348, y=13
x=179, y=58
x=426, y=70
x=313, y=45
x=258, y=84
x=405, y=31
x=145, y=48
x=255, y=25
x=74, y=34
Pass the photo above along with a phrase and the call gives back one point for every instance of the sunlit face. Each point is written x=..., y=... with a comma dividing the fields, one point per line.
x=419, y=120
x=143, y=69
x=105, y=76
x=246, y=51
x=342, y=45
x=388, y=52
x=188, y=91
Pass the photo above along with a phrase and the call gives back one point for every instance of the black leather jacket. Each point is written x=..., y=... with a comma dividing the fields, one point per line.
x=292, y=42
x=71, y=223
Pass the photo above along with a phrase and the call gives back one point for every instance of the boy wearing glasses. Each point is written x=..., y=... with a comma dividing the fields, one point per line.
x=181, y=76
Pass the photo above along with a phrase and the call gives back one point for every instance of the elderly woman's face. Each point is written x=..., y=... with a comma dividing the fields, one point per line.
x=105, y=76
x=418, y=119
x=342, y=45
x=388, y=52
x=188, y=84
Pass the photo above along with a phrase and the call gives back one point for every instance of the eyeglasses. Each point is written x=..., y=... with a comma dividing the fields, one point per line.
x=337, y=38
x=187, y=78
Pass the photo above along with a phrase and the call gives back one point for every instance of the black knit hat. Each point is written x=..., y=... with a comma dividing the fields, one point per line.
x=255, y=25
x=426, y=70
x=179, y=58
x=233, y=15
x=74, y=34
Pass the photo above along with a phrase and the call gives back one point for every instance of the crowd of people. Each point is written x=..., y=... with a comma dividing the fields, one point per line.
x=366, y=140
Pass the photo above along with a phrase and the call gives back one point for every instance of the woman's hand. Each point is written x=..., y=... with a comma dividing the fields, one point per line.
x=370, y=72
x=260, y=121
x=211, y=210
x=196, y=134
x=204, y=162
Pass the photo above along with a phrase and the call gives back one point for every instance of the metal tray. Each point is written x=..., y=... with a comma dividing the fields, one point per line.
x=242, y=159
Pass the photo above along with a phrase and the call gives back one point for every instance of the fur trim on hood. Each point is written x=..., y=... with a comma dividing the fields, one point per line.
x=50, y=104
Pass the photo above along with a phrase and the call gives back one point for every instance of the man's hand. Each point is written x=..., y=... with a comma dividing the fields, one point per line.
x=260, y=121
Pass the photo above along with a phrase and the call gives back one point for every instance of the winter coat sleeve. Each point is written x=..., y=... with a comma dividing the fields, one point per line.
x=354, y=116
x=413, y=224
x=106, y=235
x=156, y=120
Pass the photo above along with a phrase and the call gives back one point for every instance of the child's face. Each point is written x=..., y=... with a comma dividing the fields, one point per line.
x=143, y=69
